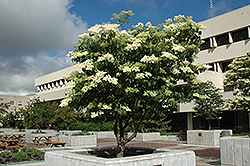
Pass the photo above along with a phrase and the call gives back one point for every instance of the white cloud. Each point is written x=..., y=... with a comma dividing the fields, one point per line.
x=30, y=31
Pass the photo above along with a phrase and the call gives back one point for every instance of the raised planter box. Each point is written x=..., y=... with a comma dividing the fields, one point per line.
x=103, y=134
x=235, y=151
x=163, y=158
x=69, y=132
x=205, y=137
x=146, y=136
x=78, y=141
x=169, y=138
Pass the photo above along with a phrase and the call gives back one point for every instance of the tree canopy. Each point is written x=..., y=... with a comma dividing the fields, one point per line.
x=208, y=102
x=131, y=75
x=238, y=78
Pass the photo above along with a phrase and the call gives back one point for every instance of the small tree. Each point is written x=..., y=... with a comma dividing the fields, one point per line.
x=208, y=102
x=130, y=76
x=38, y=113
x=64, y=116
x=3, y=109
x=238, y=79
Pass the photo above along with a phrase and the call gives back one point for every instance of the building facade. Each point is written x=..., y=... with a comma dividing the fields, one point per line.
x=226, y=37
x=15, y=102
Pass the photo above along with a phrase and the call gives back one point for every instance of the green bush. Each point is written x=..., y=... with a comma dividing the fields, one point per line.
x=30, y=150
x=81, y=133
x=22, y=156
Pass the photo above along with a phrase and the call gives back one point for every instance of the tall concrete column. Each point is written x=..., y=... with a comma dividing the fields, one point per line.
x=249, y=120
x=190, y=125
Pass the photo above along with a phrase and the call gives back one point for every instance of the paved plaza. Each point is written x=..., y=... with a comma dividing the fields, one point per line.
x=205, y=155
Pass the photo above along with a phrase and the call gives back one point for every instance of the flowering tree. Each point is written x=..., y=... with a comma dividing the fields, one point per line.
x=208, y=102
x=238, y=78
x=129, y=76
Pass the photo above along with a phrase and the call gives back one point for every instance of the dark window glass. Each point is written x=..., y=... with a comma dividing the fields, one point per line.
x=222, y=39
x=206, y=44
x=225, y=66
x=212, y=67
x=240, y=35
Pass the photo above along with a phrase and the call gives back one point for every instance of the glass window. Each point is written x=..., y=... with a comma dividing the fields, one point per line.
x=240, y=35
x=12, y=102
x=225, y=66
x=20, y=103
x=222, y=39
x=206, y=44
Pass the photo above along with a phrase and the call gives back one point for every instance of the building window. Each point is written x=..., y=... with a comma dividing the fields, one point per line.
x=240, y=35
x=20, y=103
x=222, y=39
x=206, y=44
x=12, y=103
x=27, y=102
x=225, y=66
x=212, y=67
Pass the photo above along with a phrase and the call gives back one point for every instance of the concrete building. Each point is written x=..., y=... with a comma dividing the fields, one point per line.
x=226, y=37
x=16, y=102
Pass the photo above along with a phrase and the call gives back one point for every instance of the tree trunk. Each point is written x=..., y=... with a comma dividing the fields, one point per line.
x=209, y=125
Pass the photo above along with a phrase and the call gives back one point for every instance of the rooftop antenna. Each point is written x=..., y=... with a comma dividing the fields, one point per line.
x=211, y=8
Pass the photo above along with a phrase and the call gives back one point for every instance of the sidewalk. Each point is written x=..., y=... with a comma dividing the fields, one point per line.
x=205, y=155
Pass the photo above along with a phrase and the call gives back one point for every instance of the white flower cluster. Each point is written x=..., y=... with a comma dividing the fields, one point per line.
x=110, y=79
x=109, y=27
x=186, y=69
x=76, y=54
x=168, y=55
x=126, y=108
x=65, y=102
x=143, y=75
x=107, y=57
x=104, y=106
x=84, y=35
x=136, y=44
x=71, y=84
x=150, y=93
x=176, y=71
x=170, y=27
x=95, y=29
x=130, y=69
x=95, y=114
x=131, y=90
x=150, y=59
x=178, y=47
x=88, y=65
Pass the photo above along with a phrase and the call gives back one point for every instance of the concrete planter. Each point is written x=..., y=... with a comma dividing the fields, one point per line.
x=169, y=138
x=78, y=141
x=205, y=137
x=103, y=134
x=163, y=158
x=235, y=151
x=68, y=132
x=146, y=136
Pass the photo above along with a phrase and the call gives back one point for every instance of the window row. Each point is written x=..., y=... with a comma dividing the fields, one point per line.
x=221, y=67
x=19, y=103
x=226, y=38
x=51, y=85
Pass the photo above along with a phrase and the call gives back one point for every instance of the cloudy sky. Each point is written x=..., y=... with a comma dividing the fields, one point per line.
x=36, y=35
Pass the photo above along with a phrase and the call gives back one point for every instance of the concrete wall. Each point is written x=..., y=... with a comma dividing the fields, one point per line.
x=146, y=136
x=165, y=158
x=103, y=134
x=204, y=137
x=235, y=151
x=79, y=141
